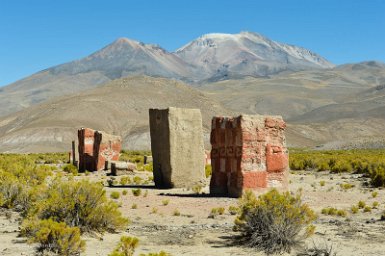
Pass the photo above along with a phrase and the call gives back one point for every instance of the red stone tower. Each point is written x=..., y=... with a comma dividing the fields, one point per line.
x=248, y=152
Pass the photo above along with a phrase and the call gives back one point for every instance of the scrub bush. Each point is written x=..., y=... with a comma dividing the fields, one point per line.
x=274, y=222
x=70, y=168
x=54, y=236
x=126, y=246
x=81, y=204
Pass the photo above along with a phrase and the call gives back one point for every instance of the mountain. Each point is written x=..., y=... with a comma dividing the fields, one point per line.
x=344, y=105
x=298, y=93
x=211, y=57
x=225, y=56
x=121, y=58
x=112, y=90
x=126, y=57
x=119, y=107
x=333, y=107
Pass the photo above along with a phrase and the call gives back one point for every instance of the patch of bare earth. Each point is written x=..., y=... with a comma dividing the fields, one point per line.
x=191, y=232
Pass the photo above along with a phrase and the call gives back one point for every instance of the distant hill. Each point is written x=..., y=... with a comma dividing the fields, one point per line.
x=340, y=106
x=119, y=107
x=298, y=93
x=211, y=57
x=334, y=109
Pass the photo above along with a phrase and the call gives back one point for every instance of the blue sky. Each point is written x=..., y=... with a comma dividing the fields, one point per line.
x=38, y=34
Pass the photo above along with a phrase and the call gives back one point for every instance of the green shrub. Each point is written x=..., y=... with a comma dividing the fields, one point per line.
x=341, y=213
x=233, y=210
x=124, y=192
x=136, y=191
x=154, y=210
x=346, y=186
x=274, y=222
x=165, y=202
x=10, y=190
x=54, y=236
x=375, y=205
x=361, y=204
x=126, y=246
x=322, y=183
x=334, y=212
x=148, y=167
x=134, y=156
x=377, y=176
x=296, y=164
x=176, y=212
x=134, y=206
x=329, y=211
x=354, y=209
x=322, y=166
x=125, y=180
x=70, y=168
x=21, y=190
x=24, y=169
x=367, y=161
x=49, y=158
x=216, y=211
x=374, y=194
x=342, y=166
x=138, y=180
x=115, y=195
x=367, y=208
x=82, y=204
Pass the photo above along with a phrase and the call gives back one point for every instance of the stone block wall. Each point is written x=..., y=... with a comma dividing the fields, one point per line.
x=177, y=147
x=248, y=152
x=96, y=147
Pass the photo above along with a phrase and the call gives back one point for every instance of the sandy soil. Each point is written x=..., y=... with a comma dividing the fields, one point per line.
x=193, y=233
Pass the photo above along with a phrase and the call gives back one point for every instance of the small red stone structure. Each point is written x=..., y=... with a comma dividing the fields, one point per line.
x=96, y=147
x=248, y=152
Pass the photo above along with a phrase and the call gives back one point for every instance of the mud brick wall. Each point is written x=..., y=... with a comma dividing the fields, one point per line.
x=97, y=147
x=248, y=152
x=177, y=147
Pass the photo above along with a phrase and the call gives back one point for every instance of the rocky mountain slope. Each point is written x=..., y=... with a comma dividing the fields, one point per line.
x=121, y=58
x=209, y=58
x=334, y=108
x=119, y=107
x=339, y=106
x=297, y=93
x=226, y=56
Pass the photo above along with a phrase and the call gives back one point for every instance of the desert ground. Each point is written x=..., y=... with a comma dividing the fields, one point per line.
x=177, y=220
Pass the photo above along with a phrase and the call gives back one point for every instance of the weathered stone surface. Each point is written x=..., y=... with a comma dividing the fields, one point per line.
x=96, y=147
x=122, y=168
x=177, y=147
x=248, y=152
